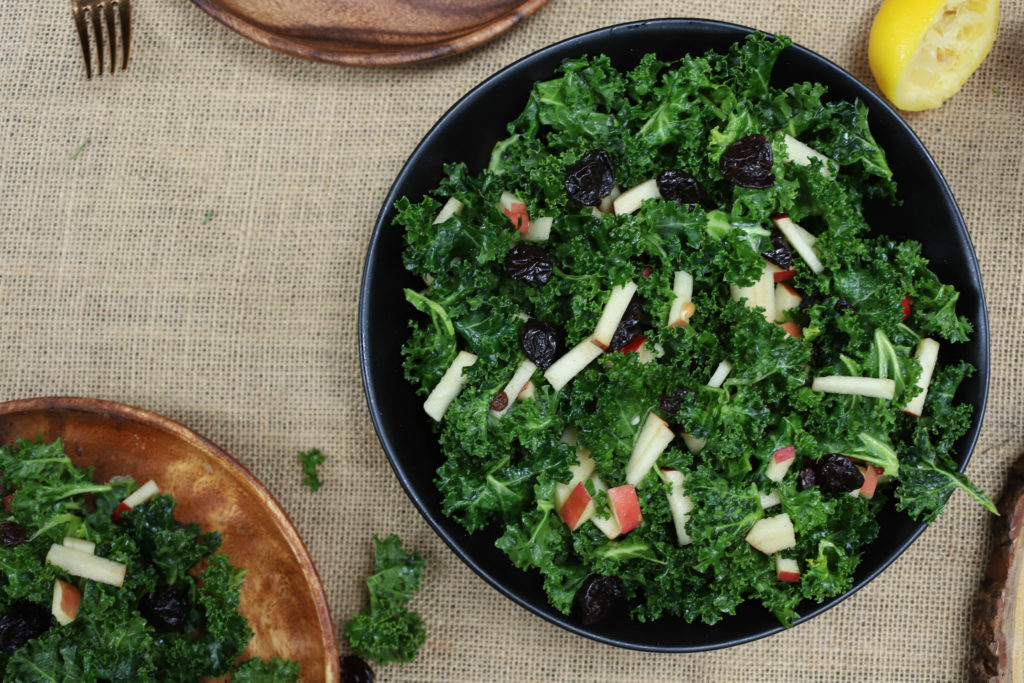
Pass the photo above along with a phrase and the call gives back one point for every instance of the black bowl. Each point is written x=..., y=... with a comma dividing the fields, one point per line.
x=467, y=132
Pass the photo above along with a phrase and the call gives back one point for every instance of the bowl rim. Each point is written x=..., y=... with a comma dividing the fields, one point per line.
x=282, y=523
x=574, y=46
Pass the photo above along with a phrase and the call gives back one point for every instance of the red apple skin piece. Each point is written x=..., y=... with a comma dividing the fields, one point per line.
x=520, y=219
x=634, y=345
x=646, y=272
x=7, y=503
x=783, y=275
x=575, y=505
x=792, y=329
x=67, y=600
x=871, y=474
x=790, y=577
x=120, y=510
x=784, y=454
x=906, y=307
x=626, y=507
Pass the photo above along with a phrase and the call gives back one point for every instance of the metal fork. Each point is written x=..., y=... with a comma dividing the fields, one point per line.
x=94, y=9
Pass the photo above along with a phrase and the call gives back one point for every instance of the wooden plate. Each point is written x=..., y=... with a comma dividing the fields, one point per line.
x=370, y=32
x=282, y=596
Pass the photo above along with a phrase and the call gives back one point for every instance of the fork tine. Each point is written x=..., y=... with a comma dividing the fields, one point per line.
x=124, y=8
x=108, y=11
x=97, y=30
x=83, y=35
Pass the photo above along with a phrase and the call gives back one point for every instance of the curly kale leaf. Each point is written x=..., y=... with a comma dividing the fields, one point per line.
x=256, y=670
x=385, y=631
x=310, y=459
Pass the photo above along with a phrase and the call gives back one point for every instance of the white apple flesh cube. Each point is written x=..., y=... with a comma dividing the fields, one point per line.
x=770, y=500
x=66, y=601
x=608, y=525
x=801, y=241
x=142, y=494
x=630, y=200
x=572, y=363
x=801, y=154
x=528, y=391
x=453, y=207
x=646, y=451
x=86, y=565
x=540, y=229
x=693, y=444
x=927, y=354
x=79, y=544
x=682, y=290
x=779, y=463
x=787, y=569
x=786, y=299
x=872, y=387
x=583, y=468
x=772, y=534
x=679, y=503
x=721, y=372
x=607, y=204
x=611, y=316
x=449, y=387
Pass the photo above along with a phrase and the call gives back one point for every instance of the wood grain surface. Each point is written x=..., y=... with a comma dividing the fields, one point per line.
x=282, y=596
x=370, y=32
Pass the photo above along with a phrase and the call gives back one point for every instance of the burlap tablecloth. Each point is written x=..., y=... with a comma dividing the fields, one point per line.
x=200, y=257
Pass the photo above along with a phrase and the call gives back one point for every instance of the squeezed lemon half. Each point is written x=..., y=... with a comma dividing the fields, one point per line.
x=922, y=51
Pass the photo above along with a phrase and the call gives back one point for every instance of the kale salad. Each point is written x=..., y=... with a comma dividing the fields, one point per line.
x=663, y=353
x=100, y=582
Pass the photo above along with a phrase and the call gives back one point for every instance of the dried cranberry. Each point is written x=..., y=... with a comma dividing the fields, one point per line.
x=165, y=608
x=500, y=401
x=816, y=360
x=590, y=179
x=355, y=670
x=671, y=403
x=806, y=479
x=843, y=305
x=781, y=255
x=681, y=187
x=12, y=534
x=748, y=162
x=810, y=299
x=600, y=598
x=836, y=473
x=528, y=263
x=542, y=342
x=21, y=623
x=631, y=324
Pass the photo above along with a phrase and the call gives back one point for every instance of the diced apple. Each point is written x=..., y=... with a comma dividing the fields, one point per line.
x=783, y=275
x=871, y=475
x=611, y=316
x=682, y=290
x=787, y=569
x=770, y=500
x=872, y=387
x=635, y=345
x=798, y=238
x=583, y=468
x=772, y=534
x=779, y=463
x=516, y=385
x=737, y=293
x=528, y=391
x=786, y=299
x=648, y=352
x=927, y=354
x=646, y=453
x=693, y=444
x=801, y=154
x=570, y=435
x=86, y=565
x=515, y=208
x=577, y=506
x=572, y=363
x=453, y=207
x=679, y=503
x=449, y=387
x=80, y=544
x=721, y=372
x=143, y=494
x=608, y=525
x=66, y=601
x=630, y=200
x=540, y=229
x=607, y=204
x=625, y=507
x=792, y=329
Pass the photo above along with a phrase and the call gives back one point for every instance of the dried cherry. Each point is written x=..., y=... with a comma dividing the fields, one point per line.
x=681, y=187
x=671, y=403
x=22, y=622
x=528, y=263
x=748, y=162
x=806, y=479
x=12, y=534
x=836, y=473
x=632, y=323
x=781, y=255
x=600, y=598
x=590, y=179
x=542, y=342
x=355, y=670
x=165, y=608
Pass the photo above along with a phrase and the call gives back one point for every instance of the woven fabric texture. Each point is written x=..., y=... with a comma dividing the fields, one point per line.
x=200, y=257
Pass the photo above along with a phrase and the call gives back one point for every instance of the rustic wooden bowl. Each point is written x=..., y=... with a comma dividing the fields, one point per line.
x=282, y=596
x=370, y=32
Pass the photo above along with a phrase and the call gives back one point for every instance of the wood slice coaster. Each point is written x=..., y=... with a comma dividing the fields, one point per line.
x=997, y=628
